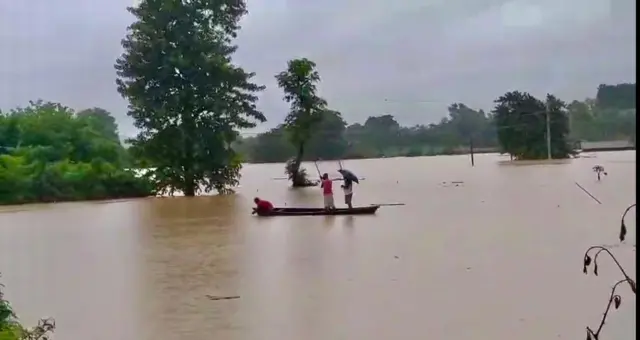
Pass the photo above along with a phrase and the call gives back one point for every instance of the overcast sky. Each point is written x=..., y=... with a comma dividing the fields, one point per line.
x=410, y=58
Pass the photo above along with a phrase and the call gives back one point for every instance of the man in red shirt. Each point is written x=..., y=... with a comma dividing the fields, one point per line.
x=327, y=191
x=262, y=206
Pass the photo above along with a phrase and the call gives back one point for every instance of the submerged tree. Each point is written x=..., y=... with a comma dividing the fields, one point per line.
x=185, y=95
x=299, y=83
x=521, y=121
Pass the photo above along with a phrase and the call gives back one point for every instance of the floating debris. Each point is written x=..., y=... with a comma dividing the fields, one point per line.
x=211, y=297
x=452, y=183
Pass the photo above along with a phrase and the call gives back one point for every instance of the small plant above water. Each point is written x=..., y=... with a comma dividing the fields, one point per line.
x=590, y=261
x=599, y=169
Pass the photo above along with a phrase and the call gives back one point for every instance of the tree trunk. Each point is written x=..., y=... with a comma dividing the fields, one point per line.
x=189, y=190
x=189, y=187
x=297, y=181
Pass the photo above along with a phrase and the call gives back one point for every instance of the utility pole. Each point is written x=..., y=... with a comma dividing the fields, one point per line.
x=473, y=163
x=548, y=131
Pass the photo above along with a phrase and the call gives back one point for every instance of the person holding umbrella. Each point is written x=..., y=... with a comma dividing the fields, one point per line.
x=348, y=192
x=349, y=178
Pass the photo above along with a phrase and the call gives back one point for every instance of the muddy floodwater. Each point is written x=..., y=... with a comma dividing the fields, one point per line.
x=486, y=252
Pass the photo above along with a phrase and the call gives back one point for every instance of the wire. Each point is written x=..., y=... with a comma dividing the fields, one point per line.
x=424, y=126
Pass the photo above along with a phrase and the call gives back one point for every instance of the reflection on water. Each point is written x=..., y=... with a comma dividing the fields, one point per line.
x=498, y=256
x=348, y=222
x=189, y=250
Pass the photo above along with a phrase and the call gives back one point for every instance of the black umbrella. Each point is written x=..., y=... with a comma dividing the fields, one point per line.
x=348, y=175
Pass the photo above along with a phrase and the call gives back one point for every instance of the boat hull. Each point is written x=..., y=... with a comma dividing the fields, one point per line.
x=321, y=211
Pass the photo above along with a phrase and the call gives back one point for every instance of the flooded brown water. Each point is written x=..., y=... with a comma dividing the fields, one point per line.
x=497, y=256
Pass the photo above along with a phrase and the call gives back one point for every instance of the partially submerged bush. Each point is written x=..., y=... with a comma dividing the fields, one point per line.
x=298, y=178
x=11, y=329
x=48, y=154
x=23, y=180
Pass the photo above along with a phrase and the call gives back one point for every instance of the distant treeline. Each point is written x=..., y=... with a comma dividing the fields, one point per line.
x=609, y=116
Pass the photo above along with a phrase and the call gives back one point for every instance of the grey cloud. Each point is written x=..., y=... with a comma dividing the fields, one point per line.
x=410, y=58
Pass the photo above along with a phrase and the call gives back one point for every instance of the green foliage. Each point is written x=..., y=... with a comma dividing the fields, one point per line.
x=186, y=96
x=50, y=154
x=379, y=132
x=302, y=176
x=101, y=121
x=378, y=136
x=620, y=96
x=611, y=116
x=8, y=319
x=299, y=83
x=521, y=120
x=11, y=329
x=328, y=140
x=268, y=147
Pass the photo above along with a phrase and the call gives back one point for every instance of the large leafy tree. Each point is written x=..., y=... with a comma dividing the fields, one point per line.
x=102, y=121
x=522, y=126
x=299, y=83
x=380, y=132
x=185, y=95
x=469, y=124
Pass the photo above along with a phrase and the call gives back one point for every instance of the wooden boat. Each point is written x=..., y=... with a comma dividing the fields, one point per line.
x=321, y=211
